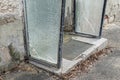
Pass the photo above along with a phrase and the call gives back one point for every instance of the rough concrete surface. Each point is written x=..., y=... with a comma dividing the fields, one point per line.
x=113, y=10
x=11, y=7
x=108, y=67
x=11, y=44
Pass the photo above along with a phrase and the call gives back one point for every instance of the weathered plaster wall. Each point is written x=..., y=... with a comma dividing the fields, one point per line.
x=11, y=7
x=10, y=10
x=112, y=11
x=11, y=33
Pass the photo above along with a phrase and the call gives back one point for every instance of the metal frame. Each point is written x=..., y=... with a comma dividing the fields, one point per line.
x=101, y=24
x=26, y=39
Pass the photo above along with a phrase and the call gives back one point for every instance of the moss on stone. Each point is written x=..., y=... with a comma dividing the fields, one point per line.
x=0, y=59
x=7, y=67
x=14, y=53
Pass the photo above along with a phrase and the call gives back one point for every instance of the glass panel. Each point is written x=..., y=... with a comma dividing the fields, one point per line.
x=88, y=16
x=43, y=18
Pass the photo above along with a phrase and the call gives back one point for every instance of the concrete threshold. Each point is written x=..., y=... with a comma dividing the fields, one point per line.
x=67, y=65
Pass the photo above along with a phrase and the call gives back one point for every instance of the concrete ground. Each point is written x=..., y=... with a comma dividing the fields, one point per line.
x=106, y=68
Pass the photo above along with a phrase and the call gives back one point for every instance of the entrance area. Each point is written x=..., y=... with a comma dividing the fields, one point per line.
x=73, y=48
x=49, y=46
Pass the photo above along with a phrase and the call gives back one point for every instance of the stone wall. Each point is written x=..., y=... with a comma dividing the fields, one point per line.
x=11, y=7
x=112, y=11
x=11, y=34
x=10, y=10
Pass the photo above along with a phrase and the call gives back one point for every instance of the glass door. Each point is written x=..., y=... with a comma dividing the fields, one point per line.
x=44, y=29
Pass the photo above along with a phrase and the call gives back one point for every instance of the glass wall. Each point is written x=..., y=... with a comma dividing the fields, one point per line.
x=88, y=16
x=43, y=20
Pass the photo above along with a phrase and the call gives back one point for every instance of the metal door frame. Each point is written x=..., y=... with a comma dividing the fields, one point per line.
x=101, y=23
x=26, y=39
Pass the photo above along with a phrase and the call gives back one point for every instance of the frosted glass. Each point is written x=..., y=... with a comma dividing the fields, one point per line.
x=88, y=16
x=43, y=18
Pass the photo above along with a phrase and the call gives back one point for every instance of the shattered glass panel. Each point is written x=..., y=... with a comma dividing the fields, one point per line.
x=43, y=18
x=88, y=16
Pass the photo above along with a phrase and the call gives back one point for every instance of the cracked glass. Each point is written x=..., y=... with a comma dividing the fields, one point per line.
x=88, y=16
x=43, y=21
